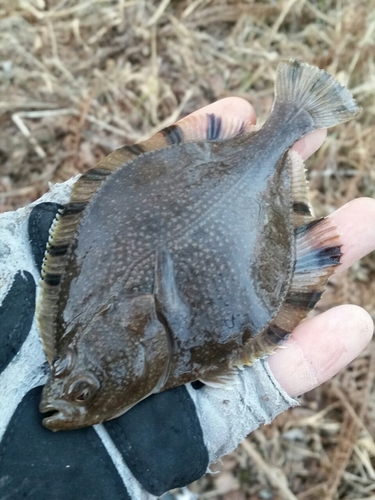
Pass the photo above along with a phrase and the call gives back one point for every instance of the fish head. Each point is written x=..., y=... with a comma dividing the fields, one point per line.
x=120, y=357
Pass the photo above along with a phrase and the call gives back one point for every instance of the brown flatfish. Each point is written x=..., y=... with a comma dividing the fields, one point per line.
x=186, y=257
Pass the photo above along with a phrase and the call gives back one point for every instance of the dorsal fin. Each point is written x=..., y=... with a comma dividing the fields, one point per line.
x=197, y=127
x=318, y=252
x=302, y=210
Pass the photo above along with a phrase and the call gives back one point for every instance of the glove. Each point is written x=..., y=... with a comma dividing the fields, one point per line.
x=169, y=439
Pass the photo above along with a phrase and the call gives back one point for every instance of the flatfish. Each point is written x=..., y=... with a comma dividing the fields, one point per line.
x=186, y=257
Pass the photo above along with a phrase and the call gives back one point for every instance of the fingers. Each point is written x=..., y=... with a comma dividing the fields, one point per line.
x=306, y=146
x=320, y=347
x=355, y=222
x=241, y=109
x=230, y=106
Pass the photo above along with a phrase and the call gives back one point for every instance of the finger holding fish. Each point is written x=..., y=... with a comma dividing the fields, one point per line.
x=320, y=347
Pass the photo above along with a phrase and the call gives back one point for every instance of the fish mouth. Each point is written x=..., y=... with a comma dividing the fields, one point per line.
x=63, y=416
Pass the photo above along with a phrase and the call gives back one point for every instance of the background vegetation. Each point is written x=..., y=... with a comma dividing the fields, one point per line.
x=79, y=78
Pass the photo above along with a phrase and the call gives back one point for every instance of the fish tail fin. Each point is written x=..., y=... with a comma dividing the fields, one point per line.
x=317, y=92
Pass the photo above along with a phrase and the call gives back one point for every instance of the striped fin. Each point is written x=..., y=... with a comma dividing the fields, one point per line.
x=192, y=128
x=302, y=210
x=318, y=253
x=212, y=127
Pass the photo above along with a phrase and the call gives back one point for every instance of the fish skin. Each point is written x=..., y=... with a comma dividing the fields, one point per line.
x=182, y=260
x=94, y=357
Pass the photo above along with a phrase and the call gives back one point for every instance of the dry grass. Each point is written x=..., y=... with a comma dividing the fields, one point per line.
x=78, y=78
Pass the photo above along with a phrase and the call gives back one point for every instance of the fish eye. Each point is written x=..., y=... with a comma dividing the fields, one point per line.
x=83, y=390
x=61, y=365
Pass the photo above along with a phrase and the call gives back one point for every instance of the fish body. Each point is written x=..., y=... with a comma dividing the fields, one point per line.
x=182, y=263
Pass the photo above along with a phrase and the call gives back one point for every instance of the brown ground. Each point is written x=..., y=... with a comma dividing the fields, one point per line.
x=78, y=78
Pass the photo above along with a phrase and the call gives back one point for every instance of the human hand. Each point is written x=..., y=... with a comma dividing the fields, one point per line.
x=169, y=439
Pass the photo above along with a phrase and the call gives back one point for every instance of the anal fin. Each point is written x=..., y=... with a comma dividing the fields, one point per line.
x=318, y=253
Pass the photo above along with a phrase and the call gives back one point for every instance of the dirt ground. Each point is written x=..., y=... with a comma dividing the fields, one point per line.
x=79, y=78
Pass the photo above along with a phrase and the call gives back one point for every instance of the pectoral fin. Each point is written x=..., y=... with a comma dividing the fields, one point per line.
x=170, y=305
x=227, y=380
